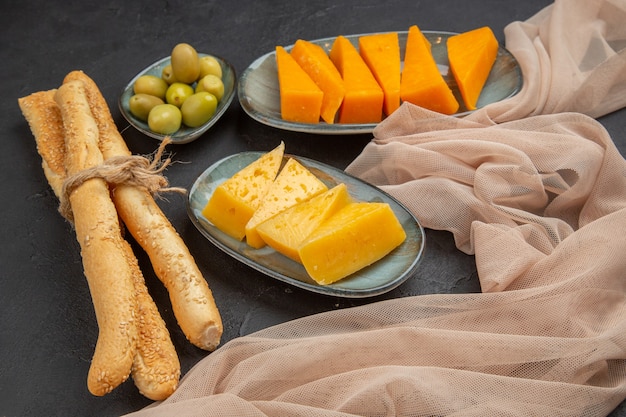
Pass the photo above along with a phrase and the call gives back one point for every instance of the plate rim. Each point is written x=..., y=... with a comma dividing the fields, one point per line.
x=331, y=289
x=323, y=128
x=195, y=133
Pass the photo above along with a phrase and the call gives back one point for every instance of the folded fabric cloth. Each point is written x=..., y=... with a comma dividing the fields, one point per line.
x=536, y=189
x=572, y=55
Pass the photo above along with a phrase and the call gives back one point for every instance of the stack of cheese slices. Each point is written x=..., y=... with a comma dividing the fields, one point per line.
x=285, y=206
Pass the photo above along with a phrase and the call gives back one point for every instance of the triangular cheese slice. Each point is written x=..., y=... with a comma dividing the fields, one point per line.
x=233, y=202
x=300, y=98
x=363, y=100
x=356, y=236
x=314, y=60
x=381, y=53
x=471, y=55
x=285, y=231
x=294, y=184
x=422, y=84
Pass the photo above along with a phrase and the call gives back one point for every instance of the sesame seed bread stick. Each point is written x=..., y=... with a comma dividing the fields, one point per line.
x=156, y=368
x=105, y=261
x=192, y=300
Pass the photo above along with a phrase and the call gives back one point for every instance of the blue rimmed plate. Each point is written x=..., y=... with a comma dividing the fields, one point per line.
x=378, y=278
x=259, y=93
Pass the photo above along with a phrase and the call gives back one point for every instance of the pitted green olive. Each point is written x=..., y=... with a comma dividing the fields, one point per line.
x=150, y=84
x=211, y=84
x=210, y=65
x=177, y=93
x=165, y=119
x=185, y=63
x=167, y=74
x=141, y=104
x=198, y=109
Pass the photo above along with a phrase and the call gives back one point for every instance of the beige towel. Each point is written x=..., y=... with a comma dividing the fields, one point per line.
x=536, y=189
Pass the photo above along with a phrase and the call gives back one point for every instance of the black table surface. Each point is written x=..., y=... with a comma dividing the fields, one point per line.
x=47, y=323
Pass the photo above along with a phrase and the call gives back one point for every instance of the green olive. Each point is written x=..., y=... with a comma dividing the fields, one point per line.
x=150, y=84
x=198, y=109
x=141, y=104
x=168, y=74
x=177, y=93
x=210, y=65
x=165, y=119
x=185, y=63
x=211, y=84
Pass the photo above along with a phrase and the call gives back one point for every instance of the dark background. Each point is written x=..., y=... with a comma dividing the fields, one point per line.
x=47, y=324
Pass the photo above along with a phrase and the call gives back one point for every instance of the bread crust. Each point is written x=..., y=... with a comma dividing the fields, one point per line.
x=46, y=123
x=156, y=368
x=105, y=261
x=192, y=300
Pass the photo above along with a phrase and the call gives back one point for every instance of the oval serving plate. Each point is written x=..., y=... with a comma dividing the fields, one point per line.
x=259, y=93
x=184, y=134
x=378, y=278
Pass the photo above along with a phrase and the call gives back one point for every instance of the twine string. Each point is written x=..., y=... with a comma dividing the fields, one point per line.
x=133, y=170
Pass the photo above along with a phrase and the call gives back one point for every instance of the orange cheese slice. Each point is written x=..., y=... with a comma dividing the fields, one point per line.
x=300, y=97
x=472, y=55
x=422, y=84
x=293, y=184
x=381, y=52
x=314, y=60
x=234, y=201
x=287, y=230
x=363, y=100
x=356, y=236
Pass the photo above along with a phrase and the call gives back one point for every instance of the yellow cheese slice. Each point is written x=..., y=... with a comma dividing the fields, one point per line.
x=363, y=99
x=287, y=230
x=381, y=53
x=422, y=84
x=300, y=98
x=472, y=55
x=233, y=202
x=356, y=236
x=314, y=60
x=294, y=184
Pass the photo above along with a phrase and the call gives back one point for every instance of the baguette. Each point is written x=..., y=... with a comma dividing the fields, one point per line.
x=156, y=368
x=192, y=300
x=105, y=261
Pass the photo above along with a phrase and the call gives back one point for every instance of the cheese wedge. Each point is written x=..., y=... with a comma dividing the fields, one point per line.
x=294, y=184
x=422, y=84
x=287, y=230
x=472, y=55
x=233, y=202
x=381, y=53
x=300, y=98
x=363, y=99
x=314, y=60
x=356, y=236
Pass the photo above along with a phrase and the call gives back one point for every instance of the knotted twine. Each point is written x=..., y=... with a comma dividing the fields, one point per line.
x=133, y=170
